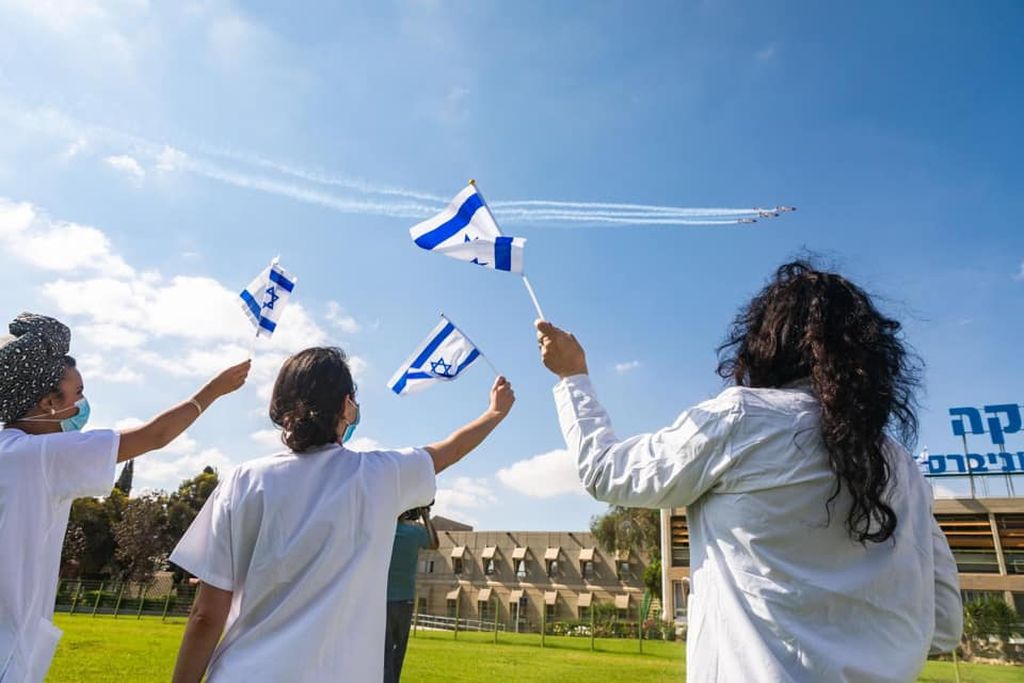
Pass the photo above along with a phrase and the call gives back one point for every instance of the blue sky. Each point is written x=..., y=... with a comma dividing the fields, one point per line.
x=154, y=156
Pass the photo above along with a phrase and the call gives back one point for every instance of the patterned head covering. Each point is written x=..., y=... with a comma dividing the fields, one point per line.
x=32, y=364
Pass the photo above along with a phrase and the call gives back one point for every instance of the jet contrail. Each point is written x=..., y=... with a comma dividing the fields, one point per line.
x=313, y=187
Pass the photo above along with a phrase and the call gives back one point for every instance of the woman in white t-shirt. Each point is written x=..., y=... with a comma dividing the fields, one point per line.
x=45, y=463
x=292, y=550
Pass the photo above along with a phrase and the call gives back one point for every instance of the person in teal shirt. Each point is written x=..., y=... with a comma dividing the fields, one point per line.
x=409, y=538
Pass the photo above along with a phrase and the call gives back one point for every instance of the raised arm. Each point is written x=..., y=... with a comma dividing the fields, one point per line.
x=167, y=426
x=463, y=440
x=670, y=467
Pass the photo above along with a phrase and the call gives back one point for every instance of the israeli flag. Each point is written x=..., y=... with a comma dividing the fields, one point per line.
x=265, y=298
x=442, y=357
x=467, y=231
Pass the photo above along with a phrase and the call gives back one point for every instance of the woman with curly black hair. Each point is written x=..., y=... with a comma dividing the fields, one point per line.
x=292, y=550
x=814, y=553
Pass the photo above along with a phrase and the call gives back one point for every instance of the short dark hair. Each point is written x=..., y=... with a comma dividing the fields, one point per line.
x=309, y=396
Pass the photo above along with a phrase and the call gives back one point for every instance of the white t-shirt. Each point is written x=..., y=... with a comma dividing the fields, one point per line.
x=39, y=477
x=304, y=541
x=780, y=591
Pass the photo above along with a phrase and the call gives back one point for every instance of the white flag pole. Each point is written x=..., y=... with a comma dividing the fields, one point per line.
x=533, y=297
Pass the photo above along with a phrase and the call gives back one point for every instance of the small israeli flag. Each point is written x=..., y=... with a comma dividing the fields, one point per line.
x=440, y=358
x=265, y=298
x=467, y=231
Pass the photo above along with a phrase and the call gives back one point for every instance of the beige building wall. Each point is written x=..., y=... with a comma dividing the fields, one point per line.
x=441, y=588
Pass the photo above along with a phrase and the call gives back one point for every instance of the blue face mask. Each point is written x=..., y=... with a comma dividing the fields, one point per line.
x=351, y=429
x=76, y=422
x=71, y=424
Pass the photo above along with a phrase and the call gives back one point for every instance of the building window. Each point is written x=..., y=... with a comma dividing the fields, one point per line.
x=550, y=612
x=421, y=605
x=623, y=569
x=678, y=600
x=520, y=569
x=426, y=566
x=552, y=568
x=453, y=608
x=489, y=567
x=583, y=613
x=680, y=535
x=457, y=565
x=623, y=614
x=587, y=570
x=976, y=561
x=486, y=613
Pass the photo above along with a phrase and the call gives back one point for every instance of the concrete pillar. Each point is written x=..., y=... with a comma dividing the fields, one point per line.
x=668, y=609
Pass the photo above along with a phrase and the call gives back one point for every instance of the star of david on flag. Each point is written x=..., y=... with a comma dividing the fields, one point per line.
x=443, y=356
x=467, y=231
x=264, y=299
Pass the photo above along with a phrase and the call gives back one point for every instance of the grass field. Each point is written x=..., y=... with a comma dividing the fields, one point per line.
x=128, y=650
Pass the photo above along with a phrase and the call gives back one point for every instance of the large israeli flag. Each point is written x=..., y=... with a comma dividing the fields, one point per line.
x=264, y=299
x=442, y=357
x=467, y=231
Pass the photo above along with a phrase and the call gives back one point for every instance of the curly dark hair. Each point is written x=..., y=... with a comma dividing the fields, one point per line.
x=309, y=396
x=811, y=324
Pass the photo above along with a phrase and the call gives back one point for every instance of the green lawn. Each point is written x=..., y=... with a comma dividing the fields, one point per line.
x=126, y=649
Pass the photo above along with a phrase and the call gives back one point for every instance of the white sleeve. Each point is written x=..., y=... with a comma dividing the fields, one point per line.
x=416, y=480
x=80, y=464
x=672, y=467
x=949, y=609
x=207, y=550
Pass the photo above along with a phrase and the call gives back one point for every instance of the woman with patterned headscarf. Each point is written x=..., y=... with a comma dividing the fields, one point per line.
x=46, y=461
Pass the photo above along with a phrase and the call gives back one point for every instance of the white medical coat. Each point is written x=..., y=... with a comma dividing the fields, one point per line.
x=780, y=592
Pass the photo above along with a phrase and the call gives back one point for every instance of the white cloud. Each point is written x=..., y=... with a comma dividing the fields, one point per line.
x=458, y=499
x=346, y=323
x=767, y=53
x=74, y=149
x=170, y=159
x=627, y=366
x=93, y=366
x=269, y=439
x=111, y=335
x=543, y=476
x=126, y=164
x=29, y=235
x=1020, y=275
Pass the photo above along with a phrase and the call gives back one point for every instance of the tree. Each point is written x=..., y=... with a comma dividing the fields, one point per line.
x=142, y=540
x=124, y=482
x=73, y=550
x=93, y=520
x=632, y=530
x=988, y=615
x=184, y=504
x=652, y=577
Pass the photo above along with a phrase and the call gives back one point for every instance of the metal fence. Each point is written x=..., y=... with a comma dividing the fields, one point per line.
x=124, y=598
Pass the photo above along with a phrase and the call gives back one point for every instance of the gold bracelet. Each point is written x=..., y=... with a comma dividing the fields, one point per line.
x=197, y=405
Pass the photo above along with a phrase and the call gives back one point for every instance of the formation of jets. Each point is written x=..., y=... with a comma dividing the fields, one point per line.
x=768, y=213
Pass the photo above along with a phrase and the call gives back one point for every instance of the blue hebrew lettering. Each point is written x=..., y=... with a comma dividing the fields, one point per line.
x=972, y=415
x=959, y=461
x=1008, y=464
x=936, y=464
x=996, y=428
x=976, y=463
